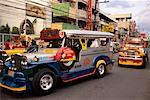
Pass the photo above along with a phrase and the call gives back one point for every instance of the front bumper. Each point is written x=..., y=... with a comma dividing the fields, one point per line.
x=13, y=88
x=14, y=82
x=130, y=61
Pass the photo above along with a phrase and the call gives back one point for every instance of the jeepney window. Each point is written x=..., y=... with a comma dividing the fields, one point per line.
x=89, y=43
x=56, y=43
x=104, y=41
x=68, y=42
x=95, y=44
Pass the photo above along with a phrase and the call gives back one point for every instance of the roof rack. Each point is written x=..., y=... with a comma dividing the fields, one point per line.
x=87, y=33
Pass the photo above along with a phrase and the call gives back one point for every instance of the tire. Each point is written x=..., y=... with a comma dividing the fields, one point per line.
x=66, y=66
x=43, y=82
x=143, y=65
x=119, y=65
x=100, y=71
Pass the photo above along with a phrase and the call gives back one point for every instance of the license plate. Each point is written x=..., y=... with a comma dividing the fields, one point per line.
x=130, y=61
x=11, y=73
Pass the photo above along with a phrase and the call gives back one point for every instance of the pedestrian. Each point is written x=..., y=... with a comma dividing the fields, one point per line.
x=7, y=44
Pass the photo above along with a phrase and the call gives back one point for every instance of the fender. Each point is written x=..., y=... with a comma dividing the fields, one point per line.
x=54, y=66
x=102, y=57
x=100, y=62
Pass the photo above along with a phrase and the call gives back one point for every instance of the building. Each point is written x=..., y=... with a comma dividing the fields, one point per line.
x=29, y=17
x=107, y=22
x=32, y=16
x=71, y=14
x=123, y=21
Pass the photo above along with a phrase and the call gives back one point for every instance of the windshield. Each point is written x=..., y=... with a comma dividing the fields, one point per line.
x=57, y=43
x=134, y=44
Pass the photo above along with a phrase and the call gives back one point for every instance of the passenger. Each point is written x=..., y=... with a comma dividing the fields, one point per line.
x=33, y=47
x=95, y=44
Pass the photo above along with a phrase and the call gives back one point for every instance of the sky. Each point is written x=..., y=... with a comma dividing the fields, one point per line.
x=140, y=10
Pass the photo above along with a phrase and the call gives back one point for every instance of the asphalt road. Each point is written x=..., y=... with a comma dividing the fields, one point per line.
x=121, y=84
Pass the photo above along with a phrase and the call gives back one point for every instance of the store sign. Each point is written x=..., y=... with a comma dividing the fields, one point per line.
x=108, y=28
x=35, y=11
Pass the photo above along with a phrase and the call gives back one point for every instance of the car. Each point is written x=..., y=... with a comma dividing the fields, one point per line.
x=71, y=55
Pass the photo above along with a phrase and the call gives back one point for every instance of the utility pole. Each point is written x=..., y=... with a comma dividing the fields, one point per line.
x=77, y=14
x=95, y=14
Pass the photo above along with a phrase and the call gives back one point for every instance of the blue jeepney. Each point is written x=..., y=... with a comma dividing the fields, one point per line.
x=74, y=55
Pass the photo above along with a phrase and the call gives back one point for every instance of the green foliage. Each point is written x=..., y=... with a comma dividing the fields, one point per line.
x=15, y=30
x=5, y=29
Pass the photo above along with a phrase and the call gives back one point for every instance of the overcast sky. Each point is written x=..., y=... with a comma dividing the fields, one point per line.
x=140, y=10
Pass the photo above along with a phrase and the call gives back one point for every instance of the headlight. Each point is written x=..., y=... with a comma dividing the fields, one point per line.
x=4, y=55
x=136, y=53
x=24, y=63
x=141, y=49
x=36, y=59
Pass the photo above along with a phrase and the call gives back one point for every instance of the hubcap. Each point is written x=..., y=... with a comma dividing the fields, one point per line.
x=46, y=82
x=101, y=69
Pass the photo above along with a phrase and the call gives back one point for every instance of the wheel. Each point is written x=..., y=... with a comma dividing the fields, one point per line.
x=67, y=65
x=43, y=82
x=143, y=65
x=119, y=65
x=101, y=70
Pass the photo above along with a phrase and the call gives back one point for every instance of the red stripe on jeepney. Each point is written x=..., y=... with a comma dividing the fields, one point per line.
x=80, y=76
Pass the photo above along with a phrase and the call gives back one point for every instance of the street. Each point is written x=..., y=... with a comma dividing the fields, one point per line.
x=121, y=84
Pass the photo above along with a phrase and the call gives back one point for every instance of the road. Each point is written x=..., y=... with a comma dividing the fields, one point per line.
x=121, y=84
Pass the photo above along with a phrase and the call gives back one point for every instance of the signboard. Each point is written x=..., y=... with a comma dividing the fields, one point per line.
x=35, y=11
x=108, y=28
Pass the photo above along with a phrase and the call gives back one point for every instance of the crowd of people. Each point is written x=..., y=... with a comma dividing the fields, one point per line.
x=13, y=44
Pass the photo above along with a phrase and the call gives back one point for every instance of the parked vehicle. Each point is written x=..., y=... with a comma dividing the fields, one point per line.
x=73, y=55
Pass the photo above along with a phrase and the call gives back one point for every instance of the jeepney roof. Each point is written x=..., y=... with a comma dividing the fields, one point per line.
x=86, y=33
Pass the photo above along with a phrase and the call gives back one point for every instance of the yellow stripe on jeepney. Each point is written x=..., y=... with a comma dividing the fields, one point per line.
x=100, y=62
x=71, y=59
x=49, y=51
x=12, y=88
x=14, y=51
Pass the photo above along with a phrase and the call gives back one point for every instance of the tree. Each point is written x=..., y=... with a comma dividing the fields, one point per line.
x=5, y=29
x=15, y=30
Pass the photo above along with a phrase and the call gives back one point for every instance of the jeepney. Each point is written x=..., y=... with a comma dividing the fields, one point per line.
x=71, y=55
x=133, y=54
